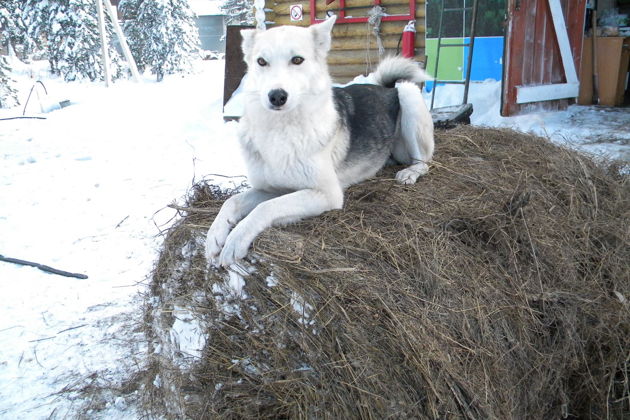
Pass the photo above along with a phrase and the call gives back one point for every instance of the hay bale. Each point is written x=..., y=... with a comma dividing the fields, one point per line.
x=495, y=288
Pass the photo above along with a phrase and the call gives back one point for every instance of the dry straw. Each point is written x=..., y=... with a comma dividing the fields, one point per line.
x=494, y=288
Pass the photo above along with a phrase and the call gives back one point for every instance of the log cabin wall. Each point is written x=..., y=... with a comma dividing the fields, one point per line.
x=354, y=48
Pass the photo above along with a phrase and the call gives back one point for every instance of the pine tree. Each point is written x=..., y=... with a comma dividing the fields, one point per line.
x=239, y=12
x=12, y=32
x=8, y=95
x=68, y=31
x=162, y=35
x=12, y=26
x=36, y=15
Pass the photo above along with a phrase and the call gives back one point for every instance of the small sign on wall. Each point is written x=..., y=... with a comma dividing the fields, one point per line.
x=296, y=12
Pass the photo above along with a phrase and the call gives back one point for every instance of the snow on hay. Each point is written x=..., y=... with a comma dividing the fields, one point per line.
x=496, y=287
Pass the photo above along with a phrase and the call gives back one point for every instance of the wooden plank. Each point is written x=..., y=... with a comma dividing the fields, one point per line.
x=528, y=23
x=391, y=10
x=356, y=69
x=512, y=62
x=528, y=94
x=321, y=8
x=354, y=29
x=556, y=73
x=346, y=72
x=575, y=22
x=343, y=73
x=550, y=65
x=389, y=41
x=357, y=56
x=281, y=20
x=586, y=73
x=536, y=70
x=387, y=29
x=398, y=9
x=563, y=41
x=357, y=29
x=280, y=7
x=283, y=7
x=321, y=4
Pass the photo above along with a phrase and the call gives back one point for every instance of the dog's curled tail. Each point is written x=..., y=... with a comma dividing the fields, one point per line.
x=393, y=69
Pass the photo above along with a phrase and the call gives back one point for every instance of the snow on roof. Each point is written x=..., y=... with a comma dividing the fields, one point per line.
x=206, y=7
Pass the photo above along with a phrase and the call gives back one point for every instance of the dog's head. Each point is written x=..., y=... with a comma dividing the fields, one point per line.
x=287, y=64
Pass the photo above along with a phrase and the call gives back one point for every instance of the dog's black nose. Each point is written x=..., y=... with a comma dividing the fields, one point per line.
x=278, y=97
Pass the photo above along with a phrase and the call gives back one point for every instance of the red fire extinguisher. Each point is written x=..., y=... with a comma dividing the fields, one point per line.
x=408, y=36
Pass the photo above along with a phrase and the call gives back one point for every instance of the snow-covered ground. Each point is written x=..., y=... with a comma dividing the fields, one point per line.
x=86, y=190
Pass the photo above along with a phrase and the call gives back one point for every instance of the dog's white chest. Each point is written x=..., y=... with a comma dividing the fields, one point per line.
x=280, y=162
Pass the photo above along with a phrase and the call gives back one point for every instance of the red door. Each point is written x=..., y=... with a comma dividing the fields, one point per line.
x=543, y=49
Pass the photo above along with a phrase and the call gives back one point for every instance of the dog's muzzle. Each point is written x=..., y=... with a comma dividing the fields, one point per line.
x=277, y=98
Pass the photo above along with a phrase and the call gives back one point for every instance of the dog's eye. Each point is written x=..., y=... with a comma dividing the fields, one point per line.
x=297, y=60
x=261, y=62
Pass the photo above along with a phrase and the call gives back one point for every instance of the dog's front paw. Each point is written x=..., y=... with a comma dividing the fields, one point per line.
x=410, y=175
x=235, y=248
x=215, y=239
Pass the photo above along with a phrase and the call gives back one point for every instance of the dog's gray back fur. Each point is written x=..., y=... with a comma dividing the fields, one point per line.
x=370, y=114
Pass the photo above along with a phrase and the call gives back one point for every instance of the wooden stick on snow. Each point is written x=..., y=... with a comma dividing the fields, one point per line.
x=42, y=267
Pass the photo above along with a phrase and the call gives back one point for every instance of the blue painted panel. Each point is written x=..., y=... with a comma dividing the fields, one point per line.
x=487, y=58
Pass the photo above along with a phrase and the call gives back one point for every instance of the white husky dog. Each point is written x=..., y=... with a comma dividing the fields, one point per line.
x=304, y=141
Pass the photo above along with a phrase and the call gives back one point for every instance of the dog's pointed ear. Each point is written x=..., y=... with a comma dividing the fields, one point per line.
x=247, y=45
x=322, y=34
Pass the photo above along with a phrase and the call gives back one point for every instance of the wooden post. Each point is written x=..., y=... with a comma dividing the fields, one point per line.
x=101, y=28
x=595, y=70
x=123, y=41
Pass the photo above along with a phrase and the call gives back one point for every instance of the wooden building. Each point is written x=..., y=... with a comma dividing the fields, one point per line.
x=539, y=56
x=355, y=46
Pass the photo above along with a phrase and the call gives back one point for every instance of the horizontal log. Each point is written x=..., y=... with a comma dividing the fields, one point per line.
x=393, y=7
x=352, y=29
x=389, y=11
x=360, y=56
x=361, y=29
x=343, y=73
x=285, y=19
x=349, y=69
x=352, y=56
x=362, y=68
x=321, y=4
x=357, y=43
x=283, y=7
